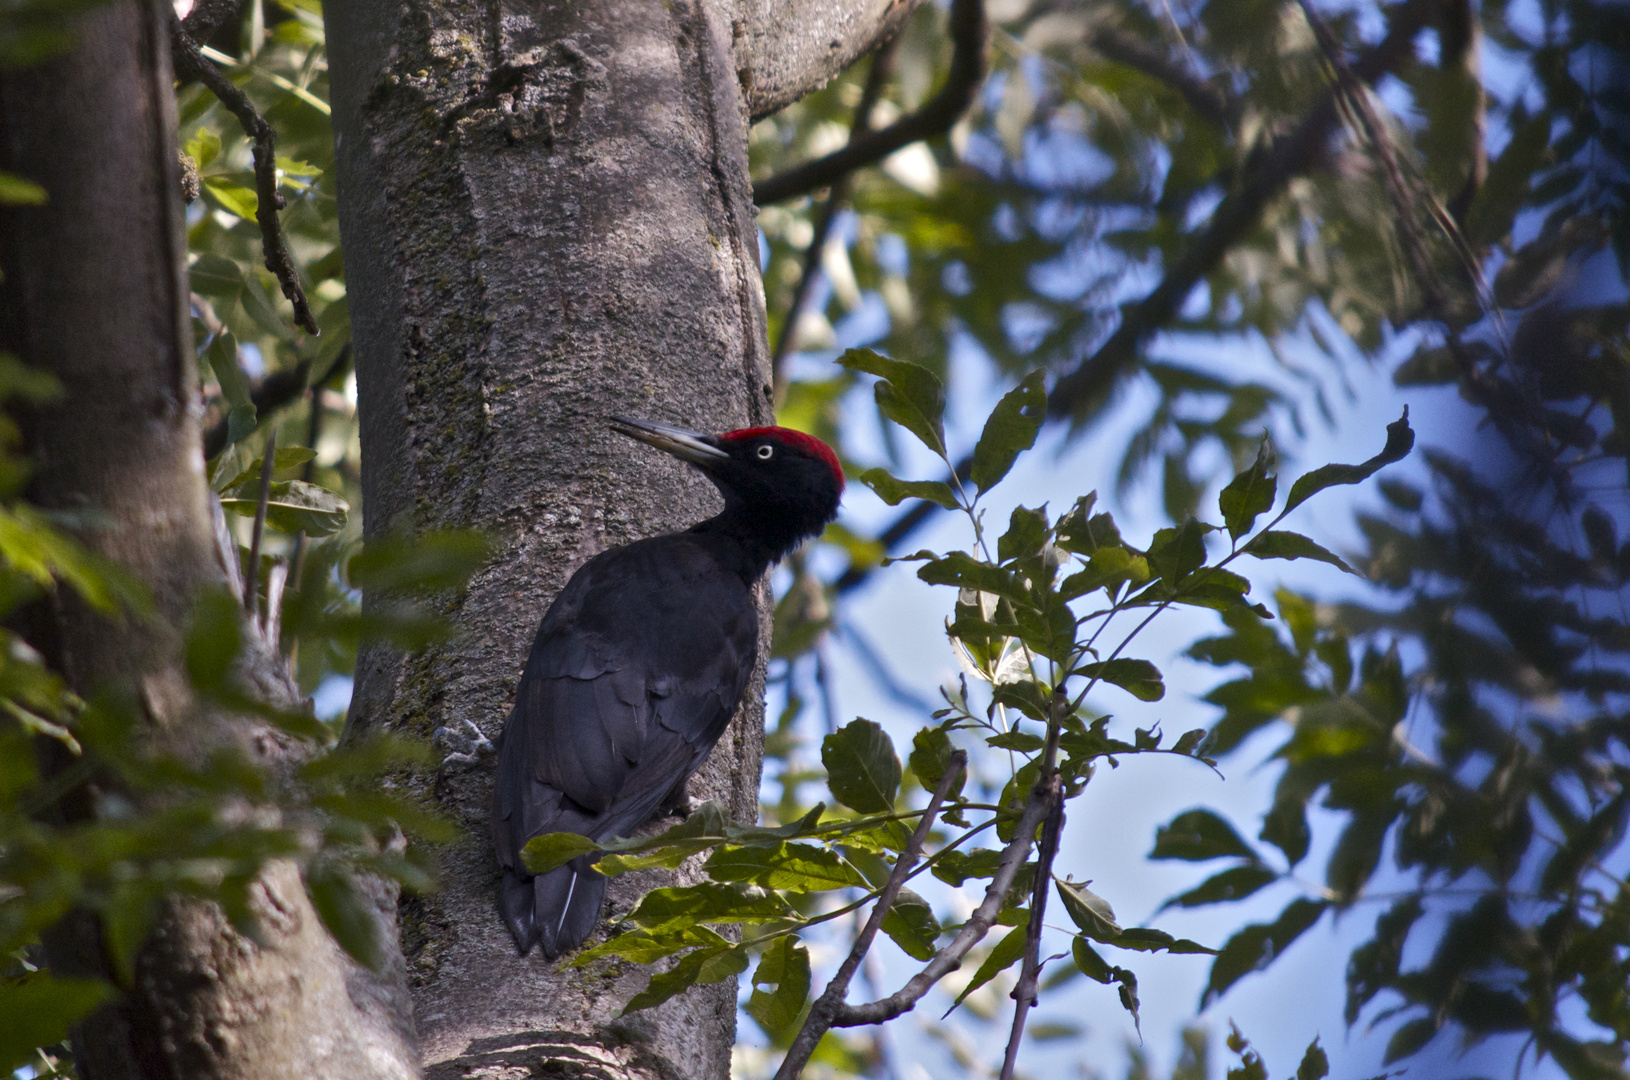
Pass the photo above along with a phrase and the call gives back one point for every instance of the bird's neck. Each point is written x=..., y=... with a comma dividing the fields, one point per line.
x=756, y=540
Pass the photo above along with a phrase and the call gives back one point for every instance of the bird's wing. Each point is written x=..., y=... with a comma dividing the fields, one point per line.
x=634, y=675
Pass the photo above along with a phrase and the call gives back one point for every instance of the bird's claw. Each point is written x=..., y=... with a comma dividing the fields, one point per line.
x=464, y=749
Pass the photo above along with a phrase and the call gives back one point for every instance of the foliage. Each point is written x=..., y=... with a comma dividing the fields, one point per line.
x=1141, y=197
x=1031, y=625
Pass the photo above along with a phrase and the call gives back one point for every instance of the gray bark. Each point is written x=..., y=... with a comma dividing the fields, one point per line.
x=789, y=48
x=547, y=220
x=95, y=293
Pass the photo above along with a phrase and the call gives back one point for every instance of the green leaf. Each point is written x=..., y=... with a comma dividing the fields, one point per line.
x=643, y=947
x=15, y=191
x=39, y=1008
x=911, y=924
x=1107, y=568
x=554, y=850
x=223, y=359
x=213, y=638
x=1197, y=835
x=286, y=457
x=965, y=572
x=862, y=768
x=1176, y=553
x=708, y=902
x=1139, y=678
x=1410, y=1038
x=234, y=198
x=792, y=867
x=1235, y=883
x=1009, y=431
x=1315, y=1062
x=348, y=914
x=931, y=752
x=1400, y=439
x=1020, y=741
x=431, y=561
x=1091, y=964
x=1258, y=945
x=215, y=275
x=1089, y=911
x=893, y=491
x=1026, y=533
x=204, y=147
x=1007, y=952
x=1281, y=544
x=785, y=966
x=293, y=506
x=1249, y=494
x=697, y=968
x=1148, y=939
x=910, y=395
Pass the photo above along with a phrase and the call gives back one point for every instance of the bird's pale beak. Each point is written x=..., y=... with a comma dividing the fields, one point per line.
x=686, y=445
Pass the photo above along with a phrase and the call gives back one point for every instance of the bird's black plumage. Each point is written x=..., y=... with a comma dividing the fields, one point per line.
x=638, y=666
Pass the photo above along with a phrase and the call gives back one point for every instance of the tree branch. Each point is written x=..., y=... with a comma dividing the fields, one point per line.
x=192, y=64
x=1203, y=97
x=208, y=16
x=973, y=931
x=1072, y=396
x=1025, y=992
x=1296, y=153
x=830, y=1002
x=276, y=391
x=969, y=32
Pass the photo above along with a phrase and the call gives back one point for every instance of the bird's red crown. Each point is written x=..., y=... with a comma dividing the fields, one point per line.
x=798, y=440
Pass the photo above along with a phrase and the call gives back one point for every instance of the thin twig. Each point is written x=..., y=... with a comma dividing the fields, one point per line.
x=251, y=580
x=190, y=63
x=938, y=115
x=277, y=390
x=876, y=76
x=1025, y=992
x=831, y=999
x=973, y=931
x=1203, y=97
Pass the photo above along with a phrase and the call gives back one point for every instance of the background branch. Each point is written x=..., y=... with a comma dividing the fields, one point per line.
x=969, y=32
x=973, y=931
x=1074, y=394
x=826, y=1006
x=192, y=64
x=277, y=391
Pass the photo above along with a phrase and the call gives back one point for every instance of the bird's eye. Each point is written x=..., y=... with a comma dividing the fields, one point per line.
x=766, y=452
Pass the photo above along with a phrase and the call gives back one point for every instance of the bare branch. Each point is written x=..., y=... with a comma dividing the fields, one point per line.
x=821, y=1014
x=208, y=16
x=192, y=64
x=251, y=580
x=973, y=931
x=969, y=32
x=1024, y=993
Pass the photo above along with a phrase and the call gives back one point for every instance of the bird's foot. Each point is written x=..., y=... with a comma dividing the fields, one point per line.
x=680, y=805
x=464, y=749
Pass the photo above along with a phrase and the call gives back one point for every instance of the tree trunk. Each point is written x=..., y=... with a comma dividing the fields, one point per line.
x=547, y=220
x=95, y=293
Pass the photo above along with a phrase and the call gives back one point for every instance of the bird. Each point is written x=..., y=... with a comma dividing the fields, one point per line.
x=639, y=664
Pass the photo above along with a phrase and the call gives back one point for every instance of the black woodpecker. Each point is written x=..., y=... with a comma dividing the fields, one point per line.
x=639, y=664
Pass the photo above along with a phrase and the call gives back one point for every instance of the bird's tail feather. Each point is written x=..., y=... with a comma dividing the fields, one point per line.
x=566, y=905
x=515, y=904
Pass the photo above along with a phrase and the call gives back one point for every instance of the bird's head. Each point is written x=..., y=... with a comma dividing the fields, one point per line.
x=780, y=486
